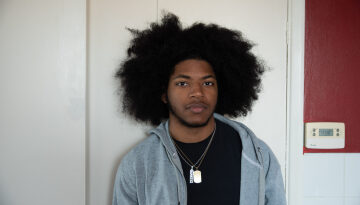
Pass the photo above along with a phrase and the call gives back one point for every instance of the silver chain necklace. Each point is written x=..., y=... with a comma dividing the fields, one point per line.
x=195, y=176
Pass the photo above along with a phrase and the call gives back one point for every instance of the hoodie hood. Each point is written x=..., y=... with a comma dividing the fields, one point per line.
x=246, y=135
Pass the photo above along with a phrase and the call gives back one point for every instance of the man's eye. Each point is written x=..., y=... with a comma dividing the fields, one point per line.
x=208, y=83
x=182, y=84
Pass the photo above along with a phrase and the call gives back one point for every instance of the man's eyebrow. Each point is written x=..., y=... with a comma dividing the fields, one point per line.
x=188, y=77
x=182, y=76
x=208, y=76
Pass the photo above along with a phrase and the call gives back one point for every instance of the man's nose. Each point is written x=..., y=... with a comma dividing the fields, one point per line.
x=196, y=90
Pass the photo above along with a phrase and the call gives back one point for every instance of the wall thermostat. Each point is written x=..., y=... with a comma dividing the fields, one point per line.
x=324, y=135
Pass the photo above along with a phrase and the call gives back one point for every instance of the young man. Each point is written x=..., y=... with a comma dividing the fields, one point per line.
x=186, y=79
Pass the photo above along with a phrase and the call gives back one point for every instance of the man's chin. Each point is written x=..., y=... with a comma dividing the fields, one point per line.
x=196, y=123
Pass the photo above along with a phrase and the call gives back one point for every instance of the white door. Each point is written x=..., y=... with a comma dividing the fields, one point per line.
x=42, y=102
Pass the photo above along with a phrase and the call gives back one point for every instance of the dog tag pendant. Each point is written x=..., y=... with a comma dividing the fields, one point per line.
x=197, y=176
x=191, y=175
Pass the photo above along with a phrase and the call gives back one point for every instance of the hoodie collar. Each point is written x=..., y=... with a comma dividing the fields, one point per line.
x=246, y=136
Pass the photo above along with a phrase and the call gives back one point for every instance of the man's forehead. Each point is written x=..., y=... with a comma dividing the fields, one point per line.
x=193, y=68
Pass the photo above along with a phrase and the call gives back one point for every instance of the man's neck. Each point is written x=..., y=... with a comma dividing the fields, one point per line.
x=186, y=134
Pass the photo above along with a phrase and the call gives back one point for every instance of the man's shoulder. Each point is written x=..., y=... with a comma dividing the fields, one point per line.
x=143, y=148
x=146, y=151
x=250, y=139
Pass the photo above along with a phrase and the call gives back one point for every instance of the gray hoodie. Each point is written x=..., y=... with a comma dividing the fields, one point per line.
x=151, y=172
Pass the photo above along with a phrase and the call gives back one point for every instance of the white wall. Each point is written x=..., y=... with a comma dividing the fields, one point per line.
x=42, y=103
x=331, y=179
x=111, y=134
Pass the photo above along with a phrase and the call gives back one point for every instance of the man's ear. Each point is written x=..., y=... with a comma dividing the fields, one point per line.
x=164, y=98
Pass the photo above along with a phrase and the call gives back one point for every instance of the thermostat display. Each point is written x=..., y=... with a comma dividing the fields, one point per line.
x=326, y=132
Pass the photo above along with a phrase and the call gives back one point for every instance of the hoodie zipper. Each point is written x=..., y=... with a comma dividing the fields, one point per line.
x=262, y=178
x=171, y=156
x=262, y=160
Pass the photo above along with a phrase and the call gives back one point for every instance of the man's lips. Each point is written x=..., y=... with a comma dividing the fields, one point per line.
x=196, y=107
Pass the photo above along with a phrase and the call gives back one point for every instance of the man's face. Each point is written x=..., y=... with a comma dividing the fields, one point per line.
x=192, y=93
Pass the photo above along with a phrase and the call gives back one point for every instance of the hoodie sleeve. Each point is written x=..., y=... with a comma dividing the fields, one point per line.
x=125, y=186
x=274, y=186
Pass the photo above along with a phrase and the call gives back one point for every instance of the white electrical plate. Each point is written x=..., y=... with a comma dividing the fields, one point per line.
x=324, y=135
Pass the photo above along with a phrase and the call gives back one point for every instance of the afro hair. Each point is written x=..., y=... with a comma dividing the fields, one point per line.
x=154, y=52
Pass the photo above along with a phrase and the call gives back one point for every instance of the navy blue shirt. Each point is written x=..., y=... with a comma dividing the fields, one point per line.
x=220, y=169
